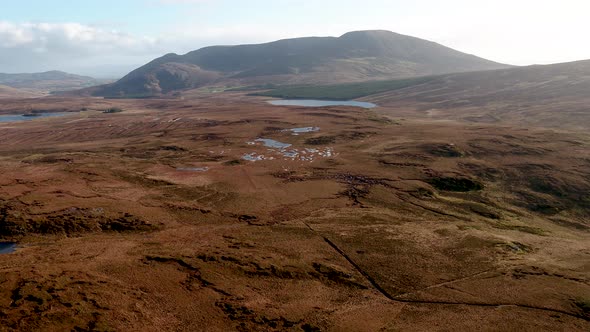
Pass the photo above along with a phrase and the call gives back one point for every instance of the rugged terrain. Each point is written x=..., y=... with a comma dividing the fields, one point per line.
x=150, y=219
x=355, y=56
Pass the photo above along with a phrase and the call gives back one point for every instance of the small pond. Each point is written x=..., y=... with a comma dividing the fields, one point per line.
x=271, y=143
x=192, y=169
x=303, y=130
x=285, y=150
x=253, y=157
x=18, y=118
x=7, y=247
x=320, y=103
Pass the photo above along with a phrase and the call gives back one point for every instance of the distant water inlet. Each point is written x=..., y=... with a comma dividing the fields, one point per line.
x=28, y=117
x=320, y=103
x=7, y=247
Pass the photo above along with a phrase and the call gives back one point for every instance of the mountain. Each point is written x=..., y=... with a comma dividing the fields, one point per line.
x=48, y=81
x=10, y=92
x=355, y=56
x=554, y=96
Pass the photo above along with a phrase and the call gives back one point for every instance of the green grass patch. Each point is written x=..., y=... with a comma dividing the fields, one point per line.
x=253, y=87
x=524, y=229
x=468, y=227
x=321, y=140
x=233, y=162
x=583, y=304
x=345, y=91
x=455, y=184
x=145, y=95
x=381, y=119
x=113, y=110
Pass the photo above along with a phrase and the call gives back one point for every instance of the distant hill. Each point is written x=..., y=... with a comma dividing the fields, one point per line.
x=531, y=84
x=48, y=81
x=556, y=96
x=355, y=56
x=10, y=92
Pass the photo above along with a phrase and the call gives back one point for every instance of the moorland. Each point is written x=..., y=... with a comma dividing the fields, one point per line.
x=460, y=202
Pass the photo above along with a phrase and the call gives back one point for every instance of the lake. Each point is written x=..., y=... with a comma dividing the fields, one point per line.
x=17, y=118
x=7, y=247
x=320, y=103
x=271, y=143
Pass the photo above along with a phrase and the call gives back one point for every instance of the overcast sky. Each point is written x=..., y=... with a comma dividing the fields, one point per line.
x=107, y=38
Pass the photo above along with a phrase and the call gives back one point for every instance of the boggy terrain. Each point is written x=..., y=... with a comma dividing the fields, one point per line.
x=152, y=219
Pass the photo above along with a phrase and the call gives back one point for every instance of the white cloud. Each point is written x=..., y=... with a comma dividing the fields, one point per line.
x=70, y=36
x=516, y=32
x=28, y=47
x=180, y=1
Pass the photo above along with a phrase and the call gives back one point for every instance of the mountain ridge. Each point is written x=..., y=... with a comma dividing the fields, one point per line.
x=10, y=92
x=354, y=56
x=48, y=81
x=548, y=96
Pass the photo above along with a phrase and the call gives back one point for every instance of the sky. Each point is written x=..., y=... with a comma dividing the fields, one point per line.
x=108, y=38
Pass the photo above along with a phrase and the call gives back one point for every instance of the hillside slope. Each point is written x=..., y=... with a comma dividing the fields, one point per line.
x=549, y=96
x=48, y=81
x=10, y=92
x=355, y=56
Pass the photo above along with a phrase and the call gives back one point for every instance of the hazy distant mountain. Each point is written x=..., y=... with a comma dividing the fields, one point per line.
x=355, y=56
x=48, y=81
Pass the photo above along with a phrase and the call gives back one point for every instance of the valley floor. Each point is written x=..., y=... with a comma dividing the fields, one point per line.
x=151, y=220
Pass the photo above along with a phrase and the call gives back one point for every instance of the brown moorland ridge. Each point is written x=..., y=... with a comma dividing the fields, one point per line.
x=150, y=219
x=50, y=81
x=554, y=96
x=355, y=56
x=10, y=92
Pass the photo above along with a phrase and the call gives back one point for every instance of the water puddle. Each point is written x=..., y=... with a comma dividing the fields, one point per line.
x=320, y=103
x=303, y=130
x=7, y=247
x=253, y=157
x=192, y=169
x=29, y=117
x=271, y=143
x=286, y=151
